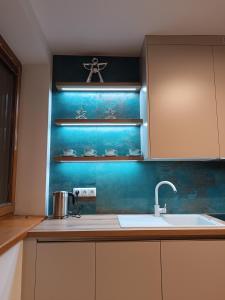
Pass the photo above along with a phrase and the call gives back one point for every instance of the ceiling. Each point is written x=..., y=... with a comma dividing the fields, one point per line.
x=21, y=30
x=101, y=27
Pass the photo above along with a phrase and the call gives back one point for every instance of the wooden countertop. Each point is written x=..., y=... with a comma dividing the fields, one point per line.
x=106, y=227
x=15, y=228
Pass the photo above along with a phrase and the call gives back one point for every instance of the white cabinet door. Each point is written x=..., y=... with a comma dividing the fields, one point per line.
x=182, y=103
x=65, y=270
x=11, y=273
x=193, y=270
x=128, y=271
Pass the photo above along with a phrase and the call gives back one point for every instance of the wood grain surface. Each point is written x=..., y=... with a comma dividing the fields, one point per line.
x=14, y=229
x=106, y=227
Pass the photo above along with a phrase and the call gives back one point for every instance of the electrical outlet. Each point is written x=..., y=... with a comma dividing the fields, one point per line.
x=85, y=192
x=91, y=192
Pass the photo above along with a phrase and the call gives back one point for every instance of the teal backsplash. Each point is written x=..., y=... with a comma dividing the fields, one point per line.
x=129, y=187
x=124, y=187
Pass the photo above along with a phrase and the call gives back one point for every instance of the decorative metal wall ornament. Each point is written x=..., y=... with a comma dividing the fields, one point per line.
x=110, y=114
x=81, y=114
x=95, y=68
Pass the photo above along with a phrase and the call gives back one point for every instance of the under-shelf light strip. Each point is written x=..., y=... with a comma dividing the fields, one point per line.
x=94, y=161
x=103, y=89
x=99, y=124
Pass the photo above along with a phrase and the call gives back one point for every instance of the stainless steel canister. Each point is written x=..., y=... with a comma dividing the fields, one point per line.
x=60, y=204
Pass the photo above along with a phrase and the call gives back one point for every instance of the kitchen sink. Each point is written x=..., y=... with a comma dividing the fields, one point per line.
x=168, y=220
x=220, y=216
x=190, y=220
x=142, y=221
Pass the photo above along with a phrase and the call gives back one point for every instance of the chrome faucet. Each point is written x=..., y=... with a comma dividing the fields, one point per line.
x=161, y=210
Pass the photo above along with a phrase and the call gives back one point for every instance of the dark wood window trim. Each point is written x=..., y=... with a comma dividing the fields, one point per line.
x=9, y=58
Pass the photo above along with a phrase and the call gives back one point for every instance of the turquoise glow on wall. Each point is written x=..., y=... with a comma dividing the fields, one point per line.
x=65, y=104
x=99, y=138
x=125, y=104
x=125, y=187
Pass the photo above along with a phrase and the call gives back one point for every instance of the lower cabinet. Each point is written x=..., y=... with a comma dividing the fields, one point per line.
x=65, y=271
x=193, y=270
x=98, y=271
x=128, y=271
x=145, y=270
x=11, y=273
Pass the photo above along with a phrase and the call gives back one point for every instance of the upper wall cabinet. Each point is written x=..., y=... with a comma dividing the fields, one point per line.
x=219, y=66
x=181, y=97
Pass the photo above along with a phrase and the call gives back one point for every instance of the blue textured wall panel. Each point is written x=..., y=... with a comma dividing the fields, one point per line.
x=125, y=187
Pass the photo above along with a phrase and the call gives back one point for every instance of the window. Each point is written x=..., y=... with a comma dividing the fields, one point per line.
x=10, y=75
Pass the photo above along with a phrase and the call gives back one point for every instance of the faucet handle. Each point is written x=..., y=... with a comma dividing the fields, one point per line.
x=164, y=209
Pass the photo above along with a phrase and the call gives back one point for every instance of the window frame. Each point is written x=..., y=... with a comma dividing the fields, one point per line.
x=9, y=58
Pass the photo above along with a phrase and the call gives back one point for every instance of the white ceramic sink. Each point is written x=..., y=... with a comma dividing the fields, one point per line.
x=173, y=220
x=142, y=221
x=191, y=220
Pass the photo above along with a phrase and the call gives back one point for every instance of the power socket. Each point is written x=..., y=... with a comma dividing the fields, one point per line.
x=85, y=192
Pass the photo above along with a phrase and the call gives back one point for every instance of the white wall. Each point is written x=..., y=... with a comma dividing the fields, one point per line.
x=11, y=273
x=32, y=159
